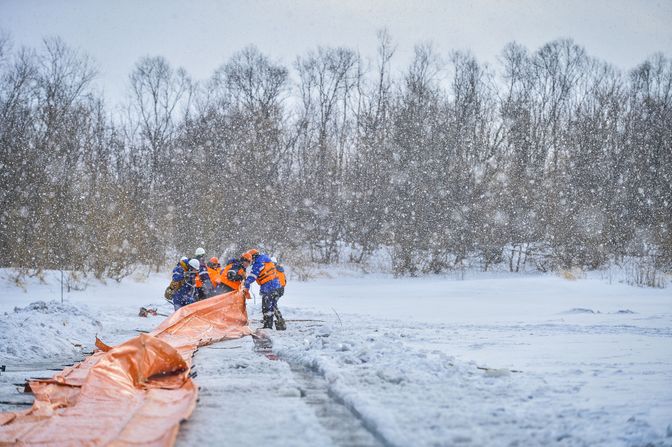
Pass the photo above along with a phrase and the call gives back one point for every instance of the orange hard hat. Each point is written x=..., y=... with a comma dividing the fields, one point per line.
x=249, y=255
x=213, y=262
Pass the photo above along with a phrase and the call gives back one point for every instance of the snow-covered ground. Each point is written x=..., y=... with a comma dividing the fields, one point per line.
x=488, y=360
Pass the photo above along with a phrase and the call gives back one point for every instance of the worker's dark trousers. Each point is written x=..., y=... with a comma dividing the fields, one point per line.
x=269, y=307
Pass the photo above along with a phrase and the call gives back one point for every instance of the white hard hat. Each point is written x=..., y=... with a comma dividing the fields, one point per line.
x=184, y=259
x=200, y=251
x=194, y=264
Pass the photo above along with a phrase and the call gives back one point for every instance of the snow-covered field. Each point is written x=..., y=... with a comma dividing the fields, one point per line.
x=488, y=360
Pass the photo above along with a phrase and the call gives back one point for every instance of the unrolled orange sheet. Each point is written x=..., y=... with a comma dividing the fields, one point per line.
x=132, y=394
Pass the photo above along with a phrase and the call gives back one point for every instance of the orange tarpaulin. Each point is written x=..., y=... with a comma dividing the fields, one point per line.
x=132, y=394
x=205, y=322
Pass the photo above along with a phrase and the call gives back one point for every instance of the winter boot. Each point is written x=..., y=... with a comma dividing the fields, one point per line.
x=279, y=321
x=268, y=322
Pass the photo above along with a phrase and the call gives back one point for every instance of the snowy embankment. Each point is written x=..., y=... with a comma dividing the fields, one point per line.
x=491, y=360
x=42, y=332
x=36, y=327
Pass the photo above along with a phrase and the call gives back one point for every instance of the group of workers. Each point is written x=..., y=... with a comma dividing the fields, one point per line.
x=195, y=279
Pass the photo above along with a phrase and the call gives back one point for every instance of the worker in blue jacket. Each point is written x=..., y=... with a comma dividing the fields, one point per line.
x=185, y=274
x=264, y=272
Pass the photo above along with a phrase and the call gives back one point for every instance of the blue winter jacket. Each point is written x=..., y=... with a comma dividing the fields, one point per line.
x=186, y=294
x=256, y=269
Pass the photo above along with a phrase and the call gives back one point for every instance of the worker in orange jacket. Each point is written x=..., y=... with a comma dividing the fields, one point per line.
x=210, y=278
x=232, y=276
x=263, y=271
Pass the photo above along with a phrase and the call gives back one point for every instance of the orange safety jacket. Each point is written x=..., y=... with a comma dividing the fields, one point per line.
x=214, y=276
x=224, y=279
x=268, y=273
x=281, y=275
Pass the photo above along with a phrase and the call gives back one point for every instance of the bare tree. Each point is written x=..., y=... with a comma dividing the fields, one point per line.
x=328, y=78
x=160, y=97
x=369, y=173
x=415, y=142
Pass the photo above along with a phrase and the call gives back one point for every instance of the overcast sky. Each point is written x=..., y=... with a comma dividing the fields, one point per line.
x=200, y=35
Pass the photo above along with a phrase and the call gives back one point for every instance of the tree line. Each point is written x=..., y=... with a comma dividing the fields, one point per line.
x=550, y=158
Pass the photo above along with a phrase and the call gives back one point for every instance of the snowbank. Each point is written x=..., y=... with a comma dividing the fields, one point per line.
x=45, y=331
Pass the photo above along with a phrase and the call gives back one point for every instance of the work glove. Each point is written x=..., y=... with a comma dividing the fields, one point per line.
x=246, y=294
